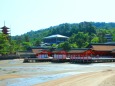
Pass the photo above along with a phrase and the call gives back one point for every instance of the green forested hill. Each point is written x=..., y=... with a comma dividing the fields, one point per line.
x=67, y=30
x=80, y=34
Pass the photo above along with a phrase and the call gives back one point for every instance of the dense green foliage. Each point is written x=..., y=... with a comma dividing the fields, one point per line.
x=80, y=36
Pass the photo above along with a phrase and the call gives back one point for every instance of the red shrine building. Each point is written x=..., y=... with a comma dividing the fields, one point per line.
x=103, y=50
x=41, y=52
x=59, y=54
x=80, y=53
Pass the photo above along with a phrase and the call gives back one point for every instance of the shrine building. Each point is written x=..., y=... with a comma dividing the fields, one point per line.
x=103, y=50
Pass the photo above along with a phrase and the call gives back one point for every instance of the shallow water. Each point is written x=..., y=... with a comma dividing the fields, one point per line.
x=44, y=70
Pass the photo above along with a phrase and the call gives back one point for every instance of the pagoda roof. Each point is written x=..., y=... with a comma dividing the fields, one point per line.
x=4, y=27
x=57, y=35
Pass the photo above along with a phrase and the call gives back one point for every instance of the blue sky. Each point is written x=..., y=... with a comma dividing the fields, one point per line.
x=25, y=15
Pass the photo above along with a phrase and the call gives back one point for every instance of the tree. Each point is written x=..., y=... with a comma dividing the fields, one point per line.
x=113, y=34
x=80, y=39
x=26, y=38
x=65, y=45
x=87, y=27
x=54, y=45
x=37, y=42
x=74, y=45
x=4, y=44
x=26, y=45
x=95, y=40
x=101, y=34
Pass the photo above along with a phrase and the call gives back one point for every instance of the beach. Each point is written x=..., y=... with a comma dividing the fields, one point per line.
x=16, y=73
x=103, y=78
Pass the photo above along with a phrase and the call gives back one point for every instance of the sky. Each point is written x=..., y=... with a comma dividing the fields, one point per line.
x=22, y=16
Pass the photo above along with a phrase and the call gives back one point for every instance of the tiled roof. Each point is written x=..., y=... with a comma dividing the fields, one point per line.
x=103, y=47
x=4, y=27
x=75, y=50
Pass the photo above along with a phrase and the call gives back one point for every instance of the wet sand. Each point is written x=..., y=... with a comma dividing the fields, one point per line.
x=103, y=78
x=108, y=82
x=16, y=73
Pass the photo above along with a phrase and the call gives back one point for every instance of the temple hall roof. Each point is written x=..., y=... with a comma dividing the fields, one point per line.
x=57, y=35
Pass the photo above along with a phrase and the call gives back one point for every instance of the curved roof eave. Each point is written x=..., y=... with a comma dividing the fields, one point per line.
x=54, y=36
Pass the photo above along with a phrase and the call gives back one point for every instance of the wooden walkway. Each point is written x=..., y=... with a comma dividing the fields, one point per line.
x=93, y=60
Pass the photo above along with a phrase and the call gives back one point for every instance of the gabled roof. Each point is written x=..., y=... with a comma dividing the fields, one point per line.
x=103, y=47
x=57, y=35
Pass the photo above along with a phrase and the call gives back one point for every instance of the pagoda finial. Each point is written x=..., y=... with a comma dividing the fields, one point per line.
x=4, y=23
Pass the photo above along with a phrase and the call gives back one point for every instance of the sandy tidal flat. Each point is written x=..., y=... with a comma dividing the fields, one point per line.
x=16, y=73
